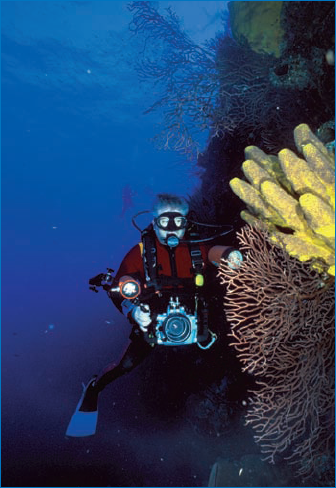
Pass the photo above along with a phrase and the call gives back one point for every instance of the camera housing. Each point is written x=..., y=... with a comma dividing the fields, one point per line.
x=176, y=327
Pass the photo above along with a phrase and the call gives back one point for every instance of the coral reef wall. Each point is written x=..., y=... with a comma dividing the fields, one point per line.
x=263, y=96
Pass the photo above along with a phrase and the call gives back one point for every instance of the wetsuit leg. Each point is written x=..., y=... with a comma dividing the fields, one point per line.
x=136, y=352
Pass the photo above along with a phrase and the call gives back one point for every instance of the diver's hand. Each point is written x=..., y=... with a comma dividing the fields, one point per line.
x=141, y=314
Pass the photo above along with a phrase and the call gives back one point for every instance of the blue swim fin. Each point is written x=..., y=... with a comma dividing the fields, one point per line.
x=84, y=423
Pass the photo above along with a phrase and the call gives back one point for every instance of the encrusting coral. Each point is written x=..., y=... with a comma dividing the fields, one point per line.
x=295, y=197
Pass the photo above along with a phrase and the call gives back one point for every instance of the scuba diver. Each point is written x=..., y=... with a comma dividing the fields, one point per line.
x=161, y=287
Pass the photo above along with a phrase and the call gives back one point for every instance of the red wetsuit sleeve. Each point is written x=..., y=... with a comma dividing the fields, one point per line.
x=131, y=264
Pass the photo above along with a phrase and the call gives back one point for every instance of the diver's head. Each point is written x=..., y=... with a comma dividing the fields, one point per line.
x=170, y=221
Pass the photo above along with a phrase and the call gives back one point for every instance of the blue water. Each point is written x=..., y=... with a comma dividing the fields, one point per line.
x=77, y=163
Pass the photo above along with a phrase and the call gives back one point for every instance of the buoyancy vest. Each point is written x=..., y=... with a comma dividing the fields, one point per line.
x=151, y=266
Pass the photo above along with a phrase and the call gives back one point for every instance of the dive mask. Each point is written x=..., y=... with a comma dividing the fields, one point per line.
x=171, y=221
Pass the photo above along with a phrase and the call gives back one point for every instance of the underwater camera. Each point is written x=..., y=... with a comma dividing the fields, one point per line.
x=175, y=327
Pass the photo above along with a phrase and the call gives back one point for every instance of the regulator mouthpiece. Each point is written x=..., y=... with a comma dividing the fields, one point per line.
x=173, y=241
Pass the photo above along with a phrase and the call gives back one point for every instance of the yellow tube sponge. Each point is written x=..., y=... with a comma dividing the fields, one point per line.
x=301, y=176
x=269, y=163
x=287, y=206
x=294, y=197
x=254, y=200
x=320, y=217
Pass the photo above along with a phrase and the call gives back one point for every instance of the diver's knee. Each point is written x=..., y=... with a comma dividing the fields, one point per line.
x=127, y=364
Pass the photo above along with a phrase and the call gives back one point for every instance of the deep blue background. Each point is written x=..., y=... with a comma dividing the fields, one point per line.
x=73, y=139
